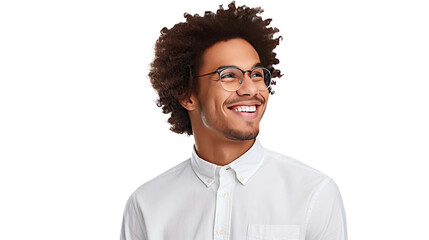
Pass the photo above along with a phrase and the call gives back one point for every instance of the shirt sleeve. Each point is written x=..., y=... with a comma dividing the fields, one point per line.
x=326, y=216
x=133, y=224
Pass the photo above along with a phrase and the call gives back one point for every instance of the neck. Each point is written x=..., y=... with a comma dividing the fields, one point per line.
x=220, y=151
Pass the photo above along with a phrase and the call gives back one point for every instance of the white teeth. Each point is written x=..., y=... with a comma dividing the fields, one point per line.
x=245, y=109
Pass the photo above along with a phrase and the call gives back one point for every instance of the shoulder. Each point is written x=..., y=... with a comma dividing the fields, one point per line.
x=292, y=170
x=284, y=162
x=163, y=181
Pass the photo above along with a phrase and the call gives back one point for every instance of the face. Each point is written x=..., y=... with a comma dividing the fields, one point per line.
x=220, y=112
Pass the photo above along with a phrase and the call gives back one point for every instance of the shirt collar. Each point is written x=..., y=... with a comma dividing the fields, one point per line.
x=244, y=166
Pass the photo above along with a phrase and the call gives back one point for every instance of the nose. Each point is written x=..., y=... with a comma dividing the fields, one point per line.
x=248, y=87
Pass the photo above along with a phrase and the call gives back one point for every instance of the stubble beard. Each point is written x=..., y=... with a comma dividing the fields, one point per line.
x=239, y=135
x=212, y=122
x=233, y=134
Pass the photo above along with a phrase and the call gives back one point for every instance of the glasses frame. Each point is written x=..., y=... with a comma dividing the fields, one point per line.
x=220, y=70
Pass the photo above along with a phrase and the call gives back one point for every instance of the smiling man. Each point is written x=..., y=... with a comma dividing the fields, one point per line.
x=213, y=74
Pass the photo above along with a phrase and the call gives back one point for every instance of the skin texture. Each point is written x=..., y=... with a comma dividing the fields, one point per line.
x=221, y=135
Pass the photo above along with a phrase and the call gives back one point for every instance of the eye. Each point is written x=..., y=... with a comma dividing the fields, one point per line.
x=226, y=75
x=230, y=74
x=257, y=75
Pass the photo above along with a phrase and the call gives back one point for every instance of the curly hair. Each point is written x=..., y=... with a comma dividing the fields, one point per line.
x=178, y=51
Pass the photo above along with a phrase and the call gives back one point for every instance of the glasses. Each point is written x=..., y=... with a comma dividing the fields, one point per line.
x=232, y=78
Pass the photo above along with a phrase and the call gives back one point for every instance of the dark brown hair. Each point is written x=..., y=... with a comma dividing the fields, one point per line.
x=178, y=50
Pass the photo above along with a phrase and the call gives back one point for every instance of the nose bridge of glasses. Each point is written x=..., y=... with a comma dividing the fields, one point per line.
x=244, y=74
x=249, y=80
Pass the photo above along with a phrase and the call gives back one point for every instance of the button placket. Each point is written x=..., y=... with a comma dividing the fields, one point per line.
x=224, y=204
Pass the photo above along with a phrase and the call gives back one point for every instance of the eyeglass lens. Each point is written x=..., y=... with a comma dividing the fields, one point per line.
x=232, y=78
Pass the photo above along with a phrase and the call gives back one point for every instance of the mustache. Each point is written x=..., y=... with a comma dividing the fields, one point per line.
x=254, y=98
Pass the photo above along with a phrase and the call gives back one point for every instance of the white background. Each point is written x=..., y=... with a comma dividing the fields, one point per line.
x=79, y=129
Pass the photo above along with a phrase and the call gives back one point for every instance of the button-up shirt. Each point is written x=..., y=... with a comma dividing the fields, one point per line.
x=260, y=195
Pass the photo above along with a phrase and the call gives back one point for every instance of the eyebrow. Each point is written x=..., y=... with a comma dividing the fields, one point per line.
x=258, y=64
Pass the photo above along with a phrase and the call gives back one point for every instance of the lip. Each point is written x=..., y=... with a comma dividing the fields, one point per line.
x=246, y=114
x=246, y=103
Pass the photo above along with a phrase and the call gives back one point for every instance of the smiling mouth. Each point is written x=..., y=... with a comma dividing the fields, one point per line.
x=248, y=111
x=244, y=108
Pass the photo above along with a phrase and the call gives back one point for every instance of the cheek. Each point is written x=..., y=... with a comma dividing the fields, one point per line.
x=212, y=98
x=215, y=100
x=209, y=106
x=217, y=107
x=264, y=95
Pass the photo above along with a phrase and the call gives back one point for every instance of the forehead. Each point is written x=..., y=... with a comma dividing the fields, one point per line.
x=237, y=52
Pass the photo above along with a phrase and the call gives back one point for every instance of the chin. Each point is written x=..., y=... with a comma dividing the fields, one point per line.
x=241, y=135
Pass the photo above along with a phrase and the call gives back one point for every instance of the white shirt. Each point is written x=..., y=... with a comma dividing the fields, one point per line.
x=260, y=195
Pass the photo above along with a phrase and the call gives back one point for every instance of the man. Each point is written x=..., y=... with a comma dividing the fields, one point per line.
x=214, y=74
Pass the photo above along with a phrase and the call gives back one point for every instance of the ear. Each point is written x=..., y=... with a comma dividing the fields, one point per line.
x=189, y=102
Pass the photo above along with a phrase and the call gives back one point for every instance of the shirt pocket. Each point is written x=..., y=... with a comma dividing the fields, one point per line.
x=272, y=232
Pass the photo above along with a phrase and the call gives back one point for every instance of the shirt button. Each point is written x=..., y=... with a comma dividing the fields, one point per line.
x=209, y=180
x=241, y=178
x=225, y=194
x=222, y=231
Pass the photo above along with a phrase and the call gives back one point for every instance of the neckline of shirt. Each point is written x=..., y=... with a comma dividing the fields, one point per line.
x=245, y=166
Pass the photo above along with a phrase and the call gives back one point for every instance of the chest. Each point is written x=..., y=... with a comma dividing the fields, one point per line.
x=229, y=210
